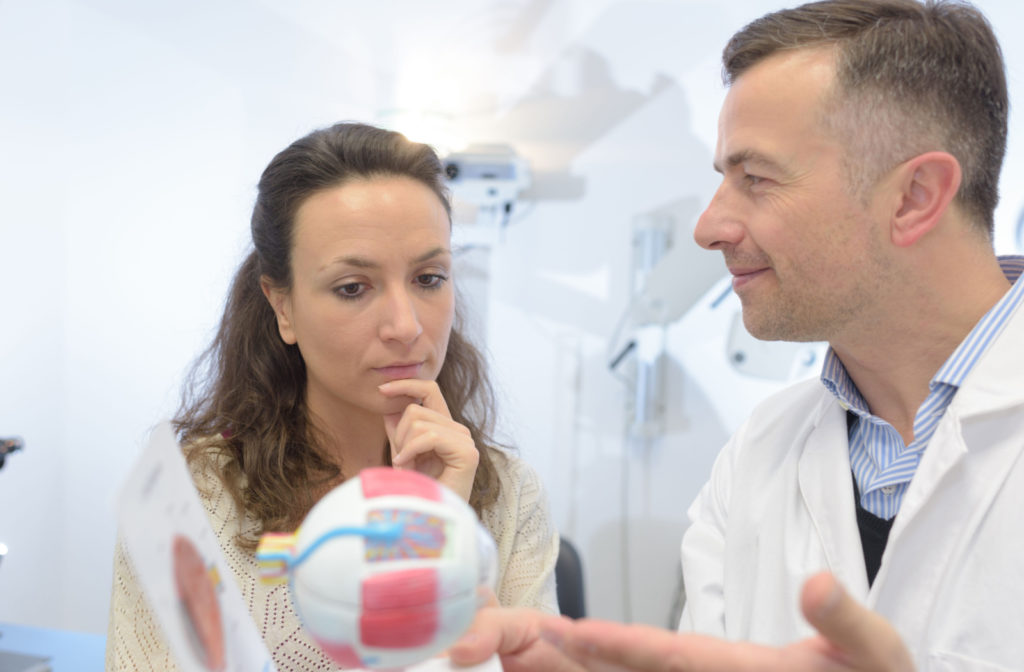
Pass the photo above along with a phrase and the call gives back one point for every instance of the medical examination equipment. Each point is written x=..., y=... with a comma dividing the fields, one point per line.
x=668, y=276
x=488, y=178
x=9, y=446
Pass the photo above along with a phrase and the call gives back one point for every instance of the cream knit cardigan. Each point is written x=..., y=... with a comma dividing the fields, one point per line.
x=519, y=521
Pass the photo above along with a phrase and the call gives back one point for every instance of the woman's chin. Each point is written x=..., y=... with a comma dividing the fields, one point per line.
x=396, y=405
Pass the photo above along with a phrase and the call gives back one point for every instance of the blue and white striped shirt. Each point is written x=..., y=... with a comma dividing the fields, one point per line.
x=881, y=463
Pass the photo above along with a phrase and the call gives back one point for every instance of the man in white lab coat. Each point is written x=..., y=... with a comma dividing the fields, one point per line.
x=860, y=145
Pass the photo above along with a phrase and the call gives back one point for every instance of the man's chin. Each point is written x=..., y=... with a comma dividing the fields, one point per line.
x=773, y=328
x=767, y=327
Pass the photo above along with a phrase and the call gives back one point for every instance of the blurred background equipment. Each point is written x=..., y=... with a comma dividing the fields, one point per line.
x=489, y=178
x=8, y=446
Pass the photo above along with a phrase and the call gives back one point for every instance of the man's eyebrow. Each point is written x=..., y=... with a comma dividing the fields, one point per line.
x=749, y=156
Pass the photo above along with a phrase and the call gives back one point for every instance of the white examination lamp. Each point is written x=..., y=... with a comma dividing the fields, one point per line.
x=679, y=279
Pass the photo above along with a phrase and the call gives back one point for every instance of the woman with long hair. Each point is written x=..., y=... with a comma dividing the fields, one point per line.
x=340, y=348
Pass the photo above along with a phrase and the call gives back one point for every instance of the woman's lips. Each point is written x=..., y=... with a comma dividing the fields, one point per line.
x=399, y=371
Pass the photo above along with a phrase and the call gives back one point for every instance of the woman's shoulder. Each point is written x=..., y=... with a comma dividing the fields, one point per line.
x=521, y=492
x=515, y=474
x=524, y=533
x=210, y=463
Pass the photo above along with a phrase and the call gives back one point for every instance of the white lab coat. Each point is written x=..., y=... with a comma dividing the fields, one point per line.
x=779, y=507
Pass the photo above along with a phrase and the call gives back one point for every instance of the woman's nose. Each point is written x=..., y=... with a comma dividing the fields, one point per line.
x=399, y=321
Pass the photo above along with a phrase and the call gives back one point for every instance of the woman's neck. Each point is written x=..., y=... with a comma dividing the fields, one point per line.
x=351, y=438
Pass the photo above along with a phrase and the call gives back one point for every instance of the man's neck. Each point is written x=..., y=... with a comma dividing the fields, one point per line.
x=893, y=361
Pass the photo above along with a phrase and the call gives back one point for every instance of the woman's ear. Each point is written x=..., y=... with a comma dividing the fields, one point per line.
x=928, y=183
x=280, y=300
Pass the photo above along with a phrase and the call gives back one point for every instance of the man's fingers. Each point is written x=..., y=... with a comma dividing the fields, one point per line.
x=514, y=635
x=487, y=597
x=863, y=639
x=500, y=631
x=605, y=646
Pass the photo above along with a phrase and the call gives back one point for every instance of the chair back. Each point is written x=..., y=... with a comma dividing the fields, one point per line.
x=569, y=581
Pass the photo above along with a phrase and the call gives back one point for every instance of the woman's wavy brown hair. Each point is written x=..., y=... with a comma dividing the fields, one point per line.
x=245, y=397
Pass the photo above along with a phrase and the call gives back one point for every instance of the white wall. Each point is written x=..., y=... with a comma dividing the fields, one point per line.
x=132, y=136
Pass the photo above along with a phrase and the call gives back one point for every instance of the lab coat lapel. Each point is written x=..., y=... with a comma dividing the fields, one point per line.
x=974, y=448
x=961, y=473
x=827, y=489
x=979, y=425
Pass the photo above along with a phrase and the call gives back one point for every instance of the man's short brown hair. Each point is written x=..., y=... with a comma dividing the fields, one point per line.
x=911, y=77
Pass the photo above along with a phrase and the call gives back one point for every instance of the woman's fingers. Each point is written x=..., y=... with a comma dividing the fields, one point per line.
x=419, y=420
x=425, y=438
x=424, y=393
x=455, y=448
x=442, y=452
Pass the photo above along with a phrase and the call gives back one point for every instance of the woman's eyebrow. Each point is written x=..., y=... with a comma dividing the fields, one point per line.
x=363, y=262
x=350, y=260
x=436, y=252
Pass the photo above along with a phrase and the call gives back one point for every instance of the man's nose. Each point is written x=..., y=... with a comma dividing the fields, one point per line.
x=721, y=223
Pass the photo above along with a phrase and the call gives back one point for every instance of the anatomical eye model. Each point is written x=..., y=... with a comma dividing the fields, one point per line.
x=387, y=570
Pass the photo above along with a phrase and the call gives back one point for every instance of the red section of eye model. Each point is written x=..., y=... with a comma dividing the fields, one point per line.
x=382, y=482
x=400, y=609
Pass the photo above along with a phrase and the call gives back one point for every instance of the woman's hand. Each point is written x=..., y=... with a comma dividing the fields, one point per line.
x=425, y=438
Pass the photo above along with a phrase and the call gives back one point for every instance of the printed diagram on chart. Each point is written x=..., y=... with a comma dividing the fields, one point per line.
x=181, y=568
x=197, y=585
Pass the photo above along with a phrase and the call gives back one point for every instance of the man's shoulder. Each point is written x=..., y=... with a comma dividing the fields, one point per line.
x=769, y=444
x=797, y=400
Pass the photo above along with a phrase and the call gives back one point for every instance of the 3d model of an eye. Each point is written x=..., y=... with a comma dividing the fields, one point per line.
x=386, y=570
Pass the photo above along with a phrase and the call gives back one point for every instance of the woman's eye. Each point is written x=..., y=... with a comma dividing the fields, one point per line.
x=350, y=290
x=430, y=280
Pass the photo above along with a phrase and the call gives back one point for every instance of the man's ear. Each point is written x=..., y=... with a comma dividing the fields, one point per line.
x=280, y=301
x=928, y=182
